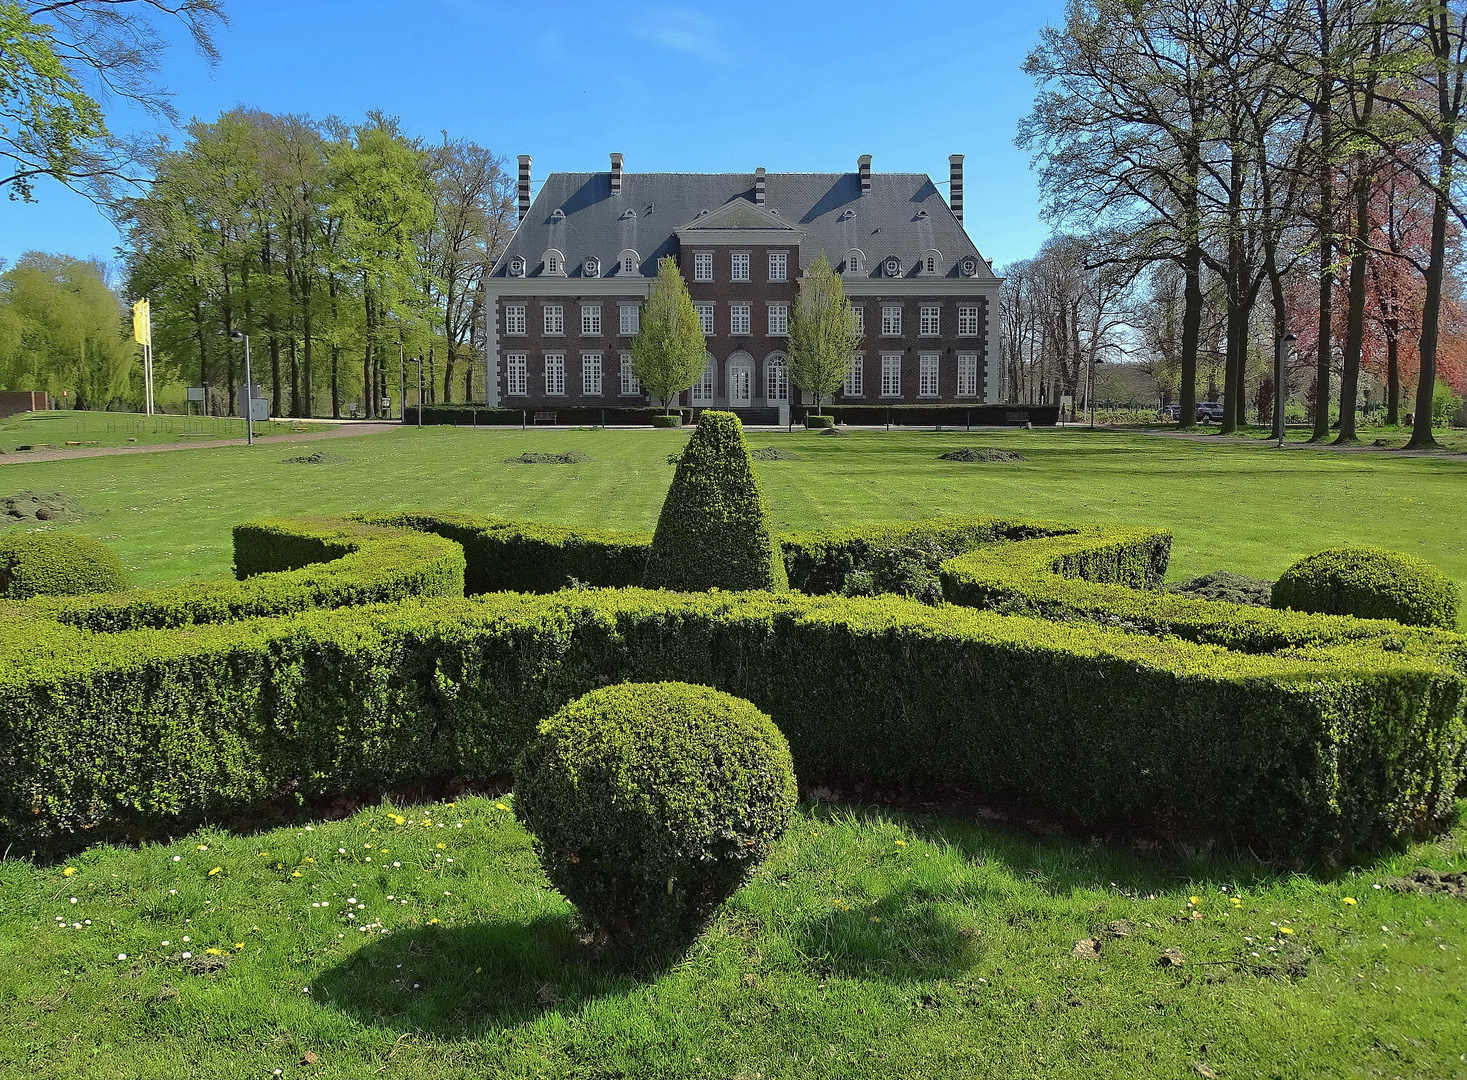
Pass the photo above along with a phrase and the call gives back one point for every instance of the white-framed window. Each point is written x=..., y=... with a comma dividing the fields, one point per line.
x=779, y=320
x=555, y=374
x=739, y=269
x=858, y=319
x=591, y=374
x=631, y=319
x=891, y=375
x=703, y=388
x=967, y=375
x=516, y=374
x=514, y=319
x=554, y=319
x=554, y=262
x=631, y=386
x=927, y=374
x=891, y=320
x=703, y=266
x=591, y=320
x=739, y=321
x=855, y=377
x=968, y=320
x=929, y=263
x=776, y=379
x=854, y=262
x=629, y=260
x=705, y=316
x=779, y=265
x=930, y=322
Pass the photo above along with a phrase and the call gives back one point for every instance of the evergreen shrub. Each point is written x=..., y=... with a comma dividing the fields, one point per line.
x=652, y=803
x=823, y=420
x=713, y=531
x=1370, y=583
x=57, y=564
x=668, y=420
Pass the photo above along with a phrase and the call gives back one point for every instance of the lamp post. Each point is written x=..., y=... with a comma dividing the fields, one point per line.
x=249, y=394
x=1285, y=345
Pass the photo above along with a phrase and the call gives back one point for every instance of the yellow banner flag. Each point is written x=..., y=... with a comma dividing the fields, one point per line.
x=142, y=323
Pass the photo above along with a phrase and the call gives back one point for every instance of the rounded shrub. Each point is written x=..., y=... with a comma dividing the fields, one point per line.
x=651, y=803
x=1370, y=583
x=57, y=564
x=669, y=420
x=823, y=421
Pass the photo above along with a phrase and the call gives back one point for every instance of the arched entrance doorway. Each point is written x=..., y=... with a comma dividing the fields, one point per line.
x=740, y=380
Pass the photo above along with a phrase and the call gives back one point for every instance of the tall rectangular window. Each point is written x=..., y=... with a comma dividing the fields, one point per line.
x=854, y=377
x=554, y=319
x=738, y=318
x=514, y=319
x=779, y=263
x=703, y=266
x=740, y=266
x=555, y=374
x=858, y=319
x=631, y=320
x=776, y=379
x=931, y=320
x=779, y=320
x=631, y=386
x=591, y=374
x=891, y=376
x=891, y=320
x=705, y=316
x=516, y=375
x=591, y=320
x=703, y=388
x=967, y=321
x=967, y=375
x=927, y=375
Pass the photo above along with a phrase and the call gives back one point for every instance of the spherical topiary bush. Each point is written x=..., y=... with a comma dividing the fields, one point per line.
x=651, y=803
x=1370, y=583
x=57, y=564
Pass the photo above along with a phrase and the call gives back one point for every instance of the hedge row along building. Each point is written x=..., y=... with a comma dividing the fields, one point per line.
x=565, y=296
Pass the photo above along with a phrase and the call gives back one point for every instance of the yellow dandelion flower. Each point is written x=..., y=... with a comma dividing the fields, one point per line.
x=901, y=843
x=1350, y=900
x=441, y=847
x=295, y=873
x=500, y=806
x=71, y=870
x=213, y=952
x=432, y=922
x=264, y=854
x=308, y=860
x=1285, y=930
x=239, y=944
x=398, y=819
x=216, y=870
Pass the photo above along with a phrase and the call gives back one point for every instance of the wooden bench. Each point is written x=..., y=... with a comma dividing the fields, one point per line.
x=545, y=418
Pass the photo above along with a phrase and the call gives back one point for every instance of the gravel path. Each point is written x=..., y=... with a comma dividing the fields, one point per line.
x=338, y=430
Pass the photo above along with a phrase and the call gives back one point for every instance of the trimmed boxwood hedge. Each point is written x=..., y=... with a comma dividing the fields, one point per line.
x=1372, y=583
x=1307, y=735
x=651, y=803
x=44, y=563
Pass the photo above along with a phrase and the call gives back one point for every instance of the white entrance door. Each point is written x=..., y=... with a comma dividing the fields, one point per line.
x=740, y=384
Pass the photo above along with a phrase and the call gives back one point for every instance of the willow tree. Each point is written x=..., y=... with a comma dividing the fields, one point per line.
x=669, y=352
x=823, y=335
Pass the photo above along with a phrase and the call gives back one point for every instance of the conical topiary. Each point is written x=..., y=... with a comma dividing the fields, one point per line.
x=713, y=532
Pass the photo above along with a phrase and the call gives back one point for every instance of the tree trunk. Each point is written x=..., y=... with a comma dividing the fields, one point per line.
x=1421, y=436
x=1355, y=325
x=1191, y=334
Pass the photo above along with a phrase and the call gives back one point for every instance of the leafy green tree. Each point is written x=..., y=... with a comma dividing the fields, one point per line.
x=822, y=333
x=669, y=351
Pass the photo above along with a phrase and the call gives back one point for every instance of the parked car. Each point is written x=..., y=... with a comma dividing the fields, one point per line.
x=1210, y=412
x=1172, y=412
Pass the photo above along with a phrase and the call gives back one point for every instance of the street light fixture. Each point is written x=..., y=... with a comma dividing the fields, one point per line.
x=249, y=394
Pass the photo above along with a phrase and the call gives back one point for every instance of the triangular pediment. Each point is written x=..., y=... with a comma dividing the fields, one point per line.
x=739, y=214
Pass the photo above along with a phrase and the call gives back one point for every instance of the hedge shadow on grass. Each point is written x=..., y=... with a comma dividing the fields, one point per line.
x=472, y=979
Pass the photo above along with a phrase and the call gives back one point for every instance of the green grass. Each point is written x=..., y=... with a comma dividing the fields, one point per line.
x=870, y=945
x=1235, y=507
x=59, y=427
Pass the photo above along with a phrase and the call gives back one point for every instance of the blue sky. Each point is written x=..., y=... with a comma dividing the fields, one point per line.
x=710, y=87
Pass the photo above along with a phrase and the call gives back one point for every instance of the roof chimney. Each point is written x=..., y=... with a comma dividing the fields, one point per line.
x=955, y=186
x=616, y=160
x=863, y=163
x=524, y=186
x=759, y=186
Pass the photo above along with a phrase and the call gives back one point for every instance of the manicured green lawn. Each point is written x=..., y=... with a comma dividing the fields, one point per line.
x=1244, y=508
x=870, y=945
x=59, y=427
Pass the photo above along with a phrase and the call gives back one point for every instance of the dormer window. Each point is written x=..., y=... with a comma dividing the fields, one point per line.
x=930, y=262
x=855, y=261
x=517, y=267
x=893, y=267
x=629, y=260
x=554, y=263
x=969, y=266
x=593, y=267
x=557, y=214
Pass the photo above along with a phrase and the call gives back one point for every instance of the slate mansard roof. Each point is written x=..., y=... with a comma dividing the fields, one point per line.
x=578, y=215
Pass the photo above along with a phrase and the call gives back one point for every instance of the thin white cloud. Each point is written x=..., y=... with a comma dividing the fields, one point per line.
x=680, y=30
